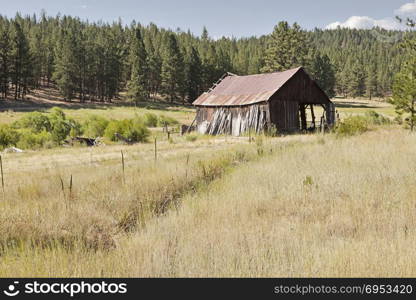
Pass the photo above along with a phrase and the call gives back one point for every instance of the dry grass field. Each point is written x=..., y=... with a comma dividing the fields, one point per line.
x=293, y=206
x=11, y=111
x=298, y=205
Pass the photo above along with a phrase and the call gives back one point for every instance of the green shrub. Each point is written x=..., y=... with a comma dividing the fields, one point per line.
x=150, y=120
x=32, y=140
x=8, y=136
x=60, y=131
x=35, y=121
x=167, y=121
x=375, y=118
x=95, y=126
x=61, y=126
x=398, y=119
x=134, y=130
x=113, y=127
x=352, y=125
x=55, y=122
x=76, y=128
x=56, y=113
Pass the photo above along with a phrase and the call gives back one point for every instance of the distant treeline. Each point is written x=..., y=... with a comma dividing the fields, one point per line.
x=96, y=61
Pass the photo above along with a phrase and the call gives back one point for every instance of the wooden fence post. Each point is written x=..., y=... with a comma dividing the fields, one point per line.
x=155, y=149
x=2, y=177
x=187, y=166
x=70, y=188
x=122, y=166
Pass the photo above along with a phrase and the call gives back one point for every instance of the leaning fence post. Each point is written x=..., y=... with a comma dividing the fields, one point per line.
x=62, y=187
x=122, y=166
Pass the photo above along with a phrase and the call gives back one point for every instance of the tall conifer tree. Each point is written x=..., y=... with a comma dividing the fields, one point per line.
x=172, y=68
x=138, y=86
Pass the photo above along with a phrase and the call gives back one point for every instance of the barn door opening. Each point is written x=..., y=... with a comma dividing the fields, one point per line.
x=307, y=117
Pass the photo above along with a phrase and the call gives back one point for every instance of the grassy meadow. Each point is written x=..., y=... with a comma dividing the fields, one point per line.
x=288, y=206
x=10, y=112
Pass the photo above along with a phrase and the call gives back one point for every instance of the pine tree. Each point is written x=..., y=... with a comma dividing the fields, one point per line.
x=341, y=82
x=193, y=74
x=65, y=65
x=356, y=86
x=323, y=73
x=209, y=63
x=5, y=53
x=154, y=62
x=21, y=66
x=371, y=81
x=287, y=48
x=404, y=92
x=37, y=52
x=172, y=69
x=138, y=86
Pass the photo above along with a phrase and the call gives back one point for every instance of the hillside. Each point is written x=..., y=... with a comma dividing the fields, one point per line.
x=100, y=62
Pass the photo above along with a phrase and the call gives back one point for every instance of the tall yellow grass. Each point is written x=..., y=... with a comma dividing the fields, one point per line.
x=297, y=206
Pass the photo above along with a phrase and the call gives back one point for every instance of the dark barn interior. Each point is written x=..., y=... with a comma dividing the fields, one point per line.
x=281, y=100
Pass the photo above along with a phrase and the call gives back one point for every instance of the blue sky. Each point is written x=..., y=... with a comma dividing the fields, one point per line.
x=227, y=17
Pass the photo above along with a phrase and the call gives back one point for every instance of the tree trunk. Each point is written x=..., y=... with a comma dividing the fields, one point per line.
x=302, y=116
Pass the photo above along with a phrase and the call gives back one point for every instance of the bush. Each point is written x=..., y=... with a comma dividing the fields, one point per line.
x=95, y=126
x=60, y=131
x=375, y=118
x=8, y=136
x=113, y=127
x=352, y=125
x=133, y=130
x=61, y=126
x=167, y=121
x=55, y=123
x=398, y=119
x=150, y=120
x=32, y=140
x=56, y=113
x=35, y=121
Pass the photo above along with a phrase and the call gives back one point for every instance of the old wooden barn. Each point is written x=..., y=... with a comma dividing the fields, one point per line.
x=281, y=100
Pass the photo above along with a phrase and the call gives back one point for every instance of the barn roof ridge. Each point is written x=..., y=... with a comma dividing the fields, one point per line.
x=266, y=74
x=238, y=90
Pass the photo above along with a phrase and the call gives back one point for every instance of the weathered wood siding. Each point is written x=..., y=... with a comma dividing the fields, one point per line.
x=285, y=115
x=232, y=120
x=302, y=89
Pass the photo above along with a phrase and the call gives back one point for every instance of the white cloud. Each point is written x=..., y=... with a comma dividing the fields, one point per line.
x=84, y=6
x=365, y=22
x=407, y=9
x=389, y=23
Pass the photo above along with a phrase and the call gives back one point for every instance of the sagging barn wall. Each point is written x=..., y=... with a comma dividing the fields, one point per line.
x=234, y=120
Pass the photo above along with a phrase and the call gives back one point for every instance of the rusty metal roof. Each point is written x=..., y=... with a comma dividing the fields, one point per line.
x=243, y=90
